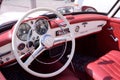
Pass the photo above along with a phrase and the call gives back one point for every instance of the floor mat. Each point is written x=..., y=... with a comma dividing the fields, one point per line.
x=80, y=61
x=15, y=72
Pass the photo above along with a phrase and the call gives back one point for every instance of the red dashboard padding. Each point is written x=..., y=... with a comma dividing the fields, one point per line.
x=105, y=68
x=5, y=38
x=2, y=77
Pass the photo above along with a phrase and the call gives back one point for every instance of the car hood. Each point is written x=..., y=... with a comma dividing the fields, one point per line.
x=13, y=16
x=10, y=16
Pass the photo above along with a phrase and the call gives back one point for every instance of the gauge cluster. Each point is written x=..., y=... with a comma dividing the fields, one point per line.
x=29, y=33
x=25, y=29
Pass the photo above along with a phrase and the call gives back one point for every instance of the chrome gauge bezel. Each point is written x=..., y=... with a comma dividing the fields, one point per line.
x=23, y=31
x=41, y=26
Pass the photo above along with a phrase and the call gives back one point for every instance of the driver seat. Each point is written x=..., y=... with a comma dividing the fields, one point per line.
x=106, y=67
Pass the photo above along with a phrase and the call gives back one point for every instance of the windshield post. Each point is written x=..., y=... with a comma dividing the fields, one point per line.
x=114, y=9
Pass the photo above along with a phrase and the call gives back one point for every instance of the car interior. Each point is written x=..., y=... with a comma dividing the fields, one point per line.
x=42, y=47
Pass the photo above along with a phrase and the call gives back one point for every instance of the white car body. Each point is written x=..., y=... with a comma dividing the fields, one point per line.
x=103, y=8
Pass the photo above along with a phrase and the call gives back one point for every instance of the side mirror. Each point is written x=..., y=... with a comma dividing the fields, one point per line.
x=88, y=9
x=65, y=10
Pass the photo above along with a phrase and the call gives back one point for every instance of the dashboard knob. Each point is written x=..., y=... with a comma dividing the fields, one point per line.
x=29, y=44
x=77, y=29
x=21, y=46
x=36, y=44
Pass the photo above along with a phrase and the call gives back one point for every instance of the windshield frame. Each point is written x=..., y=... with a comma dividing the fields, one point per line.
x=113, y=8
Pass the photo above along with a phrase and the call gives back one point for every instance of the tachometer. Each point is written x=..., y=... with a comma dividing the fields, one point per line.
x=41, y=26
x=23, y=31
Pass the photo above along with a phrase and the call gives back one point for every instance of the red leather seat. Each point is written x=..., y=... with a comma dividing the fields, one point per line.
x=105, y=68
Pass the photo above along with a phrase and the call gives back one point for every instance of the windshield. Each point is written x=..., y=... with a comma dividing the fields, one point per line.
x=79, y=5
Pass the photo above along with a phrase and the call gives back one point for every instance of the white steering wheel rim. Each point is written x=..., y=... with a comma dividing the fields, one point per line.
x=15, y=48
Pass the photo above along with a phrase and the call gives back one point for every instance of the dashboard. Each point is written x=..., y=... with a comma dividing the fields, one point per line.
x=30, y=31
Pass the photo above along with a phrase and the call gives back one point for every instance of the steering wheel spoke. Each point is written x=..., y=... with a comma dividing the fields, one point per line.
x=58, y=39
x=61, y=39
x=35, y=54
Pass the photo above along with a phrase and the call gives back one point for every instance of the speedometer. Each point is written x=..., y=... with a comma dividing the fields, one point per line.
x=23, y=31
x=41, y=26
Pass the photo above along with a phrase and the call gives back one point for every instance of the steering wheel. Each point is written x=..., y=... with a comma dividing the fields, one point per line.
x=46, y=41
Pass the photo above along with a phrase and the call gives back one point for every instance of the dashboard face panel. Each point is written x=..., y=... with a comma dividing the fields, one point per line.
x=40, y=26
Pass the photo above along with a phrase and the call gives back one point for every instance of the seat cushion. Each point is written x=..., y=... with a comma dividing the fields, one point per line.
x=106, y=67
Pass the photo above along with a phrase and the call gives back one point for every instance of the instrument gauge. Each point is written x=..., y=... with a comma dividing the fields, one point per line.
x=41, y=26
x=21, y=46
x=23, y=31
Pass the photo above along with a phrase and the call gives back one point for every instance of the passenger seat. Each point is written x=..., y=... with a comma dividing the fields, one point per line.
x=106, y=67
